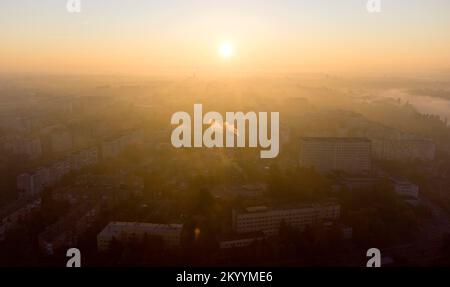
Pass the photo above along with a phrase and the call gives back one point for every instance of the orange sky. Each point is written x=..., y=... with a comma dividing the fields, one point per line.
x=135, y=37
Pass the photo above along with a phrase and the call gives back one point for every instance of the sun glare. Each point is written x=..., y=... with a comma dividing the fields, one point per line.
x=226, y=50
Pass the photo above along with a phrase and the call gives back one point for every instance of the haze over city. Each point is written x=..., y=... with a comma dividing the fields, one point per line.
x=224, y=133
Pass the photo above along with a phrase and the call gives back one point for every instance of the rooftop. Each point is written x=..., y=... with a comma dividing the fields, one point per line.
x=68, y=221
x=257, y=209
x=400, y=180
x=115, y=228
x=335, y=139
x=16, y=205
x=240, y=236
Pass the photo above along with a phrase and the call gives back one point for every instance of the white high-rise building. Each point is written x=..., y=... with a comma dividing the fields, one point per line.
x=352, y=155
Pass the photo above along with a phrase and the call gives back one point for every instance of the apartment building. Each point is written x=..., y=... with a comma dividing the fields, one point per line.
x=33, y=182
x=269, y=220
x=404, y=149
x=16, y=212
x=351, y=155
x=113, y=147
x=29, y=147
x=127, y=231
x=405, y=188
x=240, y=240
x=66, y=231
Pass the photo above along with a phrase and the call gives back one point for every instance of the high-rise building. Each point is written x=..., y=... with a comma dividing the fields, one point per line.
x=404, y=149
x=352, y=155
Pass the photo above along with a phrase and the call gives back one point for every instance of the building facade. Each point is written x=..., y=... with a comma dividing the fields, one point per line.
x=66, y=231
x=127, y=231
x=404, y=149
x=269, y=220
x=240, y=240
x=351, y=155
x=16, y=212
x=405, y=188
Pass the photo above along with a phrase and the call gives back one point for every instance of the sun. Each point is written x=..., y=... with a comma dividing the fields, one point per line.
x=226, y=50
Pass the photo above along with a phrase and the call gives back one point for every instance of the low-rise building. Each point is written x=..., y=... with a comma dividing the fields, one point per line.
x=240, y=240
x=16, y=123
x=66, y=231
x=84, y=158
x=126, y=231
x=347, y=232
x=16, y=212
x=246, y=190
x=113, y=147
x=61, y=141
x=25, y=184
x=269, y=220
x=120, y=181
x=33, y=183
x=405, y=188
x=20, y=145
x=59, y=169
x=356, y=182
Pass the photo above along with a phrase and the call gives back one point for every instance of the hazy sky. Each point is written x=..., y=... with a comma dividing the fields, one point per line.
x=150, y=36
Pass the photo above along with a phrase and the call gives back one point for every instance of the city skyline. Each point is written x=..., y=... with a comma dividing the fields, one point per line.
x=207, y=133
